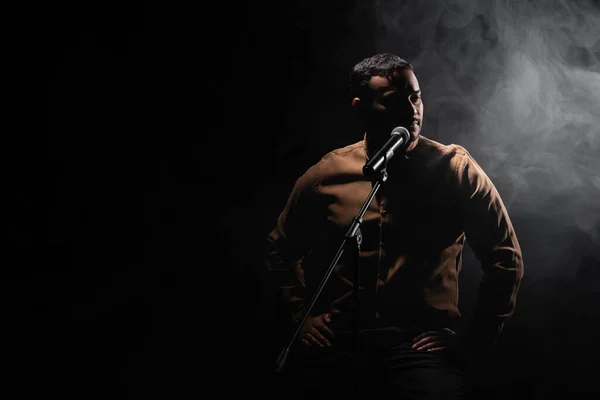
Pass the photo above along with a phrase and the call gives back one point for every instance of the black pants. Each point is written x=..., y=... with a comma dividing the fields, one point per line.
x=381, y=363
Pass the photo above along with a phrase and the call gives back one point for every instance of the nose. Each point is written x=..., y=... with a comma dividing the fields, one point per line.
x=409, y=109
x=414, y=104
x=414, y=108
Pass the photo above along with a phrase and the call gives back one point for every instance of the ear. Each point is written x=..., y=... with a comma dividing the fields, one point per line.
x=355, y=102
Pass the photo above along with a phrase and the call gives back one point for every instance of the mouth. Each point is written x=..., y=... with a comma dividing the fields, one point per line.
x=414, y=124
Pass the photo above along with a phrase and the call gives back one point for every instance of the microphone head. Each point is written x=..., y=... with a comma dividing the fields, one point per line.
x=402, y=131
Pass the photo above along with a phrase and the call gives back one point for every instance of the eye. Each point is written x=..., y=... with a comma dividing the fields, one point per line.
x=415, y=98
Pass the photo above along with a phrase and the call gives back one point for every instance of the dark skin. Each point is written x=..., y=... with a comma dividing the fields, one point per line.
x=396, y=101
x=316, y=332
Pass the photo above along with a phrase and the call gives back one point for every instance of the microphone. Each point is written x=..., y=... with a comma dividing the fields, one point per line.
x=399, y=138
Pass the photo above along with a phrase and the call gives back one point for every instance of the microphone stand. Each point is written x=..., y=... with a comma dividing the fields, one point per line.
x=353, y=233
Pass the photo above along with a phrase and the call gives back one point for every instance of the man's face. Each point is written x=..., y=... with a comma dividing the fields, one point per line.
x=396, y=102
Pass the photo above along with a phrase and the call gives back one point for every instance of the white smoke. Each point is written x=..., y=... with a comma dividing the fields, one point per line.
x=518, y=84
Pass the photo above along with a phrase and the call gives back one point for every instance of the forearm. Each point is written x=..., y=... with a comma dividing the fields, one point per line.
x=502, y=266
x=496, y=302
x=287, y=246
x=492, y=238
x=287, y=279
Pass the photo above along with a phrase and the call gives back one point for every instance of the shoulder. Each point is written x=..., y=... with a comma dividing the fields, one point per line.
x=341, y=162
x=451, y=163
x=432, y=147
x=344, y=154
x=466, y=172
x=434, y=153
x=347, y=160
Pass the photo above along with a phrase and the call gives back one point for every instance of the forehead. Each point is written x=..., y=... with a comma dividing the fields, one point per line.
x=403, y=80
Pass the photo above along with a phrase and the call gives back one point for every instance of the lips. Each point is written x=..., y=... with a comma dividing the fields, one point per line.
x=414, y=124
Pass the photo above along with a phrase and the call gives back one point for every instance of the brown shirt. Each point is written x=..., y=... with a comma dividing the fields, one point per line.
x=413, y=234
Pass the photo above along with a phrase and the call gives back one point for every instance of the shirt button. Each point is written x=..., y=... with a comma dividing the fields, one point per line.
x=383, y=212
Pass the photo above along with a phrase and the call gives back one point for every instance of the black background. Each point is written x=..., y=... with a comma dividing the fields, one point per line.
x=150, y=150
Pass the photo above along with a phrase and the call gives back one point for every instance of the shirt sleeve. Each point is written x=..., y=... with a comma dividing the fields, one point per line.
x=491, y=236
x=287, y=246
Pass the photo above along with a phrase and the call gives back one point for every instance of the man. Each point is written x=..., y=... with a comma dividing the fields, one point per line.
x=401, y=333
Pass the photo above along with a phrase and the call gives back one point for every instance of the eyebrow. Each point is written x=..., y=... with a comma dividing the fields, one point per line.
x=409, y=89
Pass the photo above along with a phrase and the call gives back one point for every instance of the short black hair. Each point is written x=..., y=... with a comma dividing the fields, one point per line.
x=383, y=64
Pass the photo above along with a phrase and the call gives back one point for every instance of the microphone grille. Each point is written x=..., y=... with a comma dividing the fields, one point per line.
x=400, y=130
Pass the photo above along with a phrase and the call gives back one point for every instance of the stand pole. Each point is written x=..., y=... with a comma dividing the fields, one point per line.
x=353, y=232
